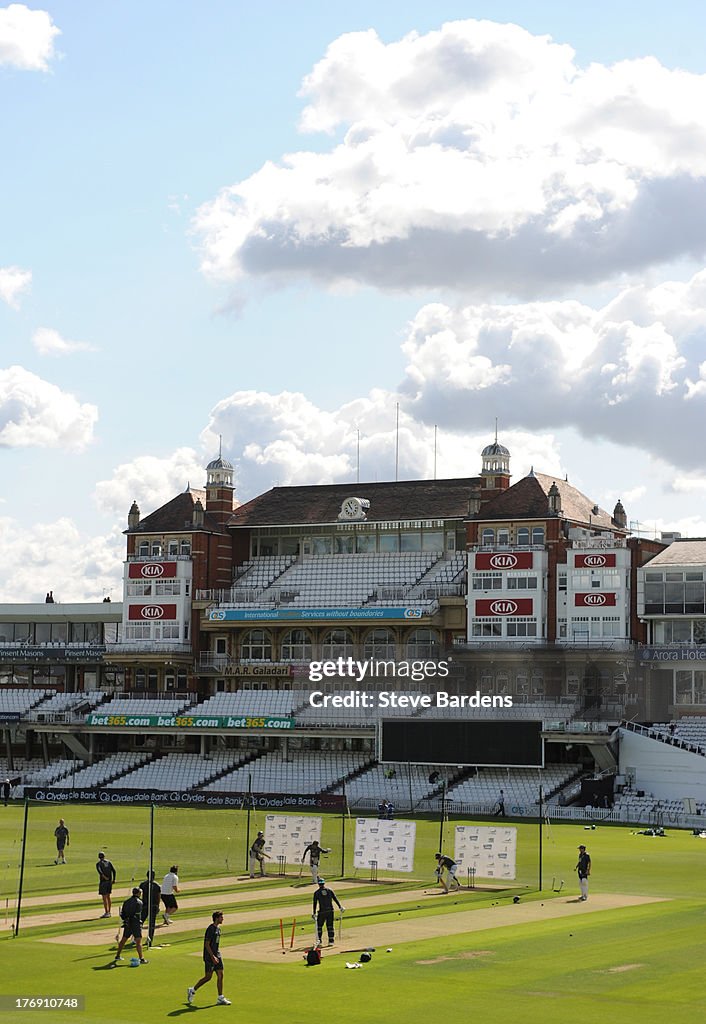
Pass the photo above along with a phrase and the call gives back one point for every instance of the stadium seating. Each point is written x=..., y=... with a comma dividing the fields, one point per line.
x=176, y=771
x=303, y=773
x=19, y=701
x=145, y=706
x=248, y=702
x=338, y=580
x=102, y=771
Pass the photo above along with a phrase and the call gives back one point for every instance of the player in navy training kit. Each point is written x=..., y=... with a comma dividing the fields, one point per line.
x=131, y=913
x=583, y=868
x=212, y=961
x=324, y=900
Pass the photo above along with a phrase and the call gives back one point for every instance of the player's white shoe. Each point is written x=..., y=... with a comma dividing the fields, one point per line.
x=190, y=993
x=222, y=1001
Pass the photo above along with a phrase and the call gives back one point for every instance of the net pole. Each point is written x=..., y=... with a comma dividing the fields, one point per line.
x=151, y=870
x=247, y=831
x=441, y=823
x=541, y=818
x=343, y=832
x=22, y=870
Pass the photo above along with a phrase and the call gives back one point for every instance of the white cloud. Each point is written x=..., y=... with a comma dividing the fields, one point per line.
x=48, y=342
x=689, y=484
x=55, y=556
x=477, y=156
x=13, y=281
x=149, y=480
x=35, y=413
x=295, y=442
x=26, y=38
x=625, y=372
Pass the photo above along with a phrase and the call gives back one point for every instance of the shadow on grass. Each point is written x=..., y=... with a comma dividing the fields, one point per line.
x=190, y=1009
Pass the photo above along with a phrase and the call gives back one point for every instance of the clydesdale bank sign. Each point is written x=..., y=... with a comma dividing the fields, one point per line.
x=180, y=798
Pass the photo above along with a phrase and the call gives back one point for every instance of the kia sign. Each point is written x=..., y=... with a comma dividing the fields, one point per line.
x=503, y=560
x=505, y=606
x=595, y=561
x=151, y=612
x=151, y=570
x=595, y=600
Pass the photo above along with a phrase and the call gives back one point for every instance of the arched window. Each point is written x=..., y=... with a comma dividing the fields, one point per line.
x=256, y=645
x=488, y=536
x=523, y=536
x=337, y=643
x=380, y=643
x=422, y=643
x=296, y=645
x=538, y=535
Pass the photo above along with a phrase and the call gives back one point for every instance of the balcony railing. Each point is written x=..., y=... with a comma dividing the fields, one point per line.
x=148, y=647
x=158, y=558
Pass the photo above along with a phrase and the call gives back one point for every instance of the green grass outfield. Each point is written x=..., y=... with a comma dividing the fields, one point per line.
x=640, y=963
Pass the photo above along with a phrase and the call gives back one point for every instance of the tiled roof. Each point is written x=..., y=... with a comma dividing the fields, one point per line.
x=404, y=499
x=177, y=516
x=682, y=552
x=527, y=499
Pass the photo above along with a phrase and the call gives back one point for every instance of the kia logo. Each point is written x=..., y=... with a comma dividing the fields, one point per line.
x=503, y=561
x=153, y=569
x=152, y=611
x=594, y=599
x=503, y=607
x=596, y=560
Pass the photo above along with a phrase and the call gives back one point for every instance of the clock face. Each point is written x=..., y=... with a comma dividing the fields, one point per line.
x=351, y=507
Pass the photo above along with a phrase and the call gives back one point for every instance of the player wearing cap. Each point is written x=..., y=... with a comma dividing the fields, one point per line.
x=131, y=914
x=583, y=868
x=451, y=867
x=212, y=960
x=324, y=900
x=314, y=851
x=257, y=854
x=106, y=877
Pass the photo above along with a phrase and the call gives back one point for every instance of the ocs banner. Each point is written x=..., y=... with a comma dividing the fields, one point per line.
x=288, y=835
x=491, y=850
x=389, y=844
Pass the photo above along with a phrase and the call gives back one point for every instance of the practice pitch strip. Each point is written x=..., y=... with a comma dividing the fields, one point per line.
x=391, y=933
x=379, y=936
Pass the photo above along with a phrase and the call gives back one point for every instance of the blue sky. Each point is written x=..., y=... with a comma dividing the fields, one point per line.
x=479, y=223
